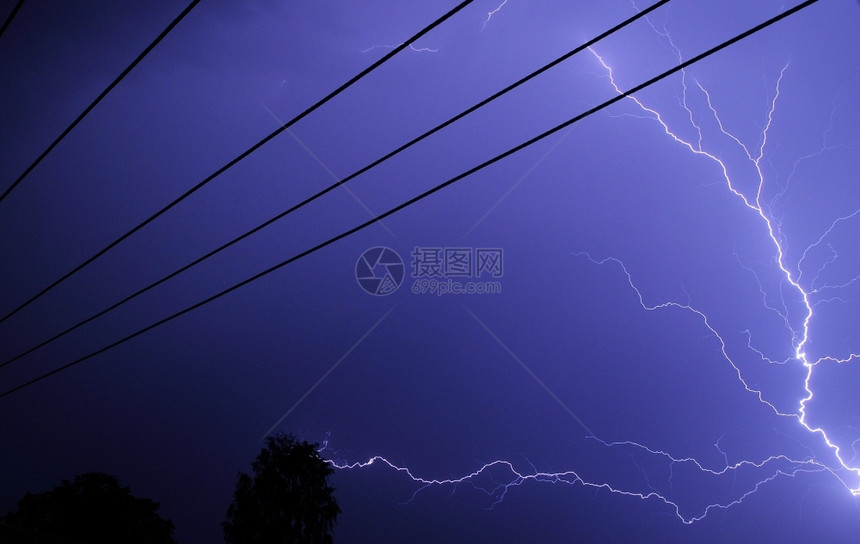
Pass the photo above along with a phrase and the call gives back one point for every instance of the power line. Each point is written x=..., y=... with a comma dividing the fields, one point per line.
x=427, y=193
x=355, y=174
x=8, y=21
x=99, y=98
x=243, y=155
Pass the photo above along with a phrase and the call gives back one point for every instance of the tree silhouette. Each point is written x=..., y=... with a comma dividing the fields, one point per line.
x=287, y=500
x=93, y=508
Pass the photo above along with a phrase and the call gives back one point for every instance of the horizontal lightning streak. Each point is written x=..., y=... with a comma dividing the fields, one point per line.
x=497, y=491
x=412, y=47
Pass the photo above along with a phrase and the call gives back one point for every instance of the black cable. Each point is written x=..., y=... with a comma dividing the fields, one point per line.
x=346, y=179
x=8, y=21
x=244, y=154
x=427, y=193
x=99, y=98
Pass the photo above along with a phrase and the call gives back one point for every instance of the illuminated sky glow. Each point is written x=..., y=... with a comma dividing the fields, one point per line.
x=673, y=354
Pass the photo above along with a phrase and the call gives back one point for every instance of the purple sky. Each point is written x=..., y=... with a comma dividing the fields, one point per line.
x=664, y=282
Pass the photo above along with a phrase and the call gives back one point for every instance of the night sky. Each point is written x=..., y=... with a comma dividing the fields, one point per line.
x=674, y=274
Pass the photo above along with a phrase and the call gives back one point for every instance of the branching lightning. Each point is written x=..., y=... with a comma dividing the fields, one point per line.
x=799, y=278
x=412, y=47
x=493, y=12
x=791, y=274
x=486, y=478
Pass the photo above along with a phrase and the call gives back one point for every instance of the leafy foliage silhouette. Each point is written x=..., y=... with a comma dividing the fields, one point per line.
x=287, y=500
x=94, y=508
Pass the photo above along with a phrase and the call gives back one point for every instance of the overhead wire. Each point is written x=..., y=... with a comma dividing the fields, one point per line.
x=11, y=16
x=620, y=96
x=243, y=155
x=99, y=98
x=351, y=176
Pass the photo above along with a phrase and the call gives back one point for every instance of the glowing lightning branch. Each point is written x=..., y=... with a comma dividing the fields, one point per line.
x=490, y=14
x=497, y=477
x=800, y=336
x=412, y=47
x=482, y=481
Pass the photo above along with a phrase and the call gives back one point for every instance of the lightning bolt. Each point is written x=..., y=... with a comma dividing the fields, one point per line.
x=496, y=478
x=800, y=280
x=493, y=12
x=412, y=47
x=791, y=274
